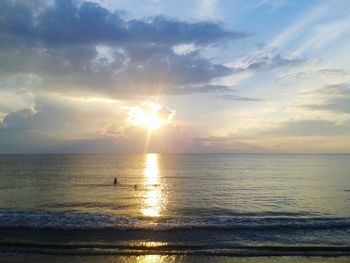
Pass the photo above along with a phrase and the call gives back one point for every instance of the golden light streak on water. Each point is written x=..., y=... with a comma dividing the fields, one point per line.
x=154, y=197
x=158, y=259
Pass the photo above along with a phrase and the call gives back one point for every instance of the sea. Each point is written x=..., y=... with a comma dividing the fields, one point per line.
x=231, y=205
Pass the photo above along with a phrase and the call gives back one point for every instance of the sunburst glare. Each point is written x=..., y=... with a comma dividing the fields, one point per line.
x=150, y=115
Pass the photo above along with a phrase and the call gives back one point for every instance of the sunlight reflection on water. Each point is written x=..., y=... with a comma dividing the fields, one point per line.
x=154, y=197
x=158, y=258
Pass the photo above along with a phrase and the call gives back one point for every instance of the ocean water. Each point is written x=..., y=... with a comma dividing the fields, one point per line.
x=190, y=204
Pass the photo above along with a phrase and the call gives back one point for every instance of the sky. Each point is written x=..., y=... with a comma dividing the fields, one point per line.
x=237, y=76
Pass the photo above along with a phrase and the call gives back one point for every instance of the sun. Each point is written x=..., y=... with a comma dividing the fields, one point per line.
x=148, y=116
x=150, y=120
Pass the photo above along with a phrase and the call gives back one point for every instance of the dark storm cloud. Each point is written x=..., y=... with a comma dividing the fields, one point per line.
x=60, y=44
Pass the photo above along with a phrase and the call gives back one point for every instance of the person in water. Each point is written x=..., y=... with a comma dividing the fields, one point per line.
x=115, y=182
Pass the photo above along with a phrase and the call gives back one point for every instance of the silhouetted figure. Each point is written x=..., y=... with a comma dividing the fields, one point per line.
x=135, y=186
x=115, y=181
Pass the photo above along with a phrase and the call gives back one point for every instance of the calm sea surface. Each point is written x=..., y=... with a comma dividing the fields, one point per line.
x=221, y=204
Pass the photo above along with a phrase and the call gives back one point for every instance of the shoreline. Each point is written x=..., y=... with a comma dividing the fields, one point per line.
x=88, y=249
x=31, y=258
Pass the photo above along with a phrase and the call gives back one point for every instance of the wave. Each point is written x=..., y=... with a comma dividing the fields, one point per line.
x=170, y=249
x=72, y=220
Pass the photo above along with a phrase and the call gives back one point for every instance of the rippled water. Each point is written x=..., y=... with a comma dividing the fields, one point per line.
x=191, y=203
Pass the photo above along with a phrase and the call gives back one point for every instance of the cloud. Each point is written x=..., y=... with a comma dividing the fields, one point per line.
x=240, y=98
x=57, y=125
x=73, y=47
x=325, y=74
x=324, y=34
x=66, y=22
x=278, y=52
x=263, y=59
x=208, y=88
x=292, y=32
x=273, y=4
x=330, y=90
x=207, y=9
x=150, y=115
x=18, y=120
x=54, y=129
x=25, y=132
x=224, y=144
x=65, y=117
x=335, y=98
x=310, y=128
x=320, y=92
x=86, y=126
x=184, y=49
x=339, y=104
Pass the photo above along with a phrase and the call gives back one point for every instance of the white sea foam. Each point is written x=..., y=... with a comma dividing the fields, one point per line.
x=69, y=220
